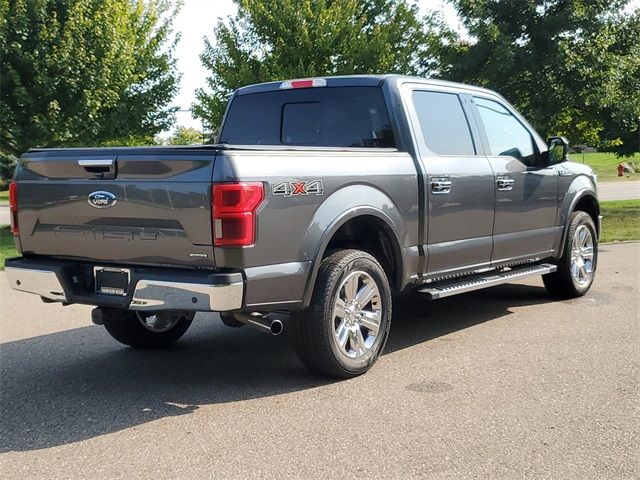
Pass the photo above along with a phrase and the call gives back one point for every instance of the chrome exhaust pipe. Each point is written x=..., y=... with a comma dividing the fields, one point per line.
x=260, y=322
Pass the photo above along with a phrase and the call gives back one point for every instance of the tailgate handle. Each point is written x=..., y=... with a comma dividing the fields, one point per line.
x=101, y=168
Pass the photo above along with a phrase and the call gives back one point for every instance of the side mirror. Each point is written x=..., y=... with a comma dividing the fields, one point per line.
x=558, y=150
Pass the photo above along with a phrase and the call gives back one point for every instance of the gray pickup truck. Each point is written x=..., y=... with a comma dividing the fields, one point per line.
x=323, y=198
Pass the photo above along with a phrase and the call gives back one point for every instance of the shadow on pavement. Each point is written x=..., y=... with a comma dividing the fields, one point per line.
x=78, y=384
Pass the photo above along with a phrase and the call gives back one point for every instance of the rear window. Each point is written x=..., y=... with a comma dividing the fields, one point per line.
x=324, y=117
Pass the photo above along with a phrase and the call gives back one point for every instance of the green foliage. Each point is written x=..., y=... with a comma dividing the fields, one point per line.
x=85, y=72
x=186, y=136
x=281, y=39
x=7, y=167
x=571, y=66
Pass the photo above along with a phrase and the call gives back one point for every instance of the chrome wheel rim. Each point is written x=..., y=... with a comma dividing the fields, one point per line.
x=582, y=256
x=357, y=314
x=160, y=322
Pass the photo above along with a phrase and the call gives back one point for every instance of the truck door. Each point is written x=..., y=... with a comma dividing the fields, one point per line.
x=459, y=183
x=526, y=190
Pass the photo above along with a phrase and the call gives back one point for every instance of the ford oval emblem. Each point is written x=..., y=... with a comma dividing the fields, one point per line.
x=102, y=199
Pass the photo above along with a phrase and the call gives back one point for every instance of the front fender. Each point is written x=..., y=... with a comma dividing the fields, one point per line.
x=343, y=205
x=580, y=187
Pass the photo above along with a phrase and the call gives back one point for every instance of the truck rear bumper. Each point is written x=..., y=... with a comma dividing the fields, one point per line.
x=150, y=289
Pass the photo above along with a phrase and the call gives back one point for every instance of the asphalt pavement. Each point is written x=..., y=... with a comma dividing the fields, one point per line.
x=501, y=384
x=5, y=219
x=619, y=190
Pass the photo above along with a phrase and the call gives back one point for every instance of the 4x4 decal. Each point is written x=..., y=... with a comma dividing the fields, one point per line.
x=289, y=189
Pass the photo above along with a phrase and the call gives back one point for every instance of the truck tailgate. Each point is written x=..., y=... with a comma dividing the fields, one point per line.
x=118, y=207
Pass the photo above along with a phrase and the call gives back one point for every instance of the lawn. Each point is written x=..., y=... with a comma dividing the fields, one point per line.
x=4, y=196
x=604, y=165
x=7, y=247
x=621, y=220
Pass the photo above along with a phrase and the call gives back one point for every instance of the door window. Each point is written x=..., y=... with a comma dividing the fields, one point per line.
x=443, y=123
x=506, y=135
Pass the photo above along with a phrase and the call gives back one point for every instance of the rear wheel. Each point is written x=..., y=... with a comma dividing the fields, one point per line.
x=577, y=266
x=346, y=327
x=147, y=331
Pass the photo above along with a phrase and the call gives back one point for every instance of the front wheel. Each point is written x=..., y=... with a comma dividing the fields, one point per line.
x=577, y=266
x=146, y=331
x=346, y=327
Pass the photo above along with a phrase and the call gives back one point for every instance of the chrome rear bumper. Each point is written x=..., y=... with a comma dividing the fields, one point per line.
x=153, y=289
x=41, y=282
x=154, y=295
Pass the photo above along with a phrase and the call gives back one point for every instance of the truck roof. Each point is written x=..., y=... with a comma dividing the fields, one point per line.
x=362, y=81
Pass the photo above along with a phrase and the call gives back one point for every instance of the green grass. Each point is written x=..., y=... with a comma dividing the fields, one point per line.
x=604, y=165
x=7, y=247
x=621, y=220
x=4, y=196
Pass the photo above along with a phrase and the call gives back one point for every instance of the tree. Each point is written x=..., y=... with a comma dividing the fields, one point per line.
x=7, y=168
x=571, y=66
x=186, y=136
x=85, y=72
x=280, y=39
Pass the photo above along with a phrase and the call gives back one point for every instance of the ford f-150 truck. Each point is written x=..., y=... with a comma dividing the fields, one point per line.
x=322, y=199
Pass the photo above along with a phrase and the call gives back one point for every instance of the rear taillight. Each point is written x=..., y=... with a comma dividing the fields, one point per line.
x=234, y=213
x=13, y=207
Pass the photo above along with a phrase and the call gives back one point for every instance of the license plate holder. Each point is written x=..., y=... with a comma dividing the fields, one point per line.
x=111, y=280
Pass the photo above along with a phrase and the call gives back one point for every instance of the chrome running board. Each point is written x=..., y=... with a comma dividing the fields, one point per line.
x=447, y=288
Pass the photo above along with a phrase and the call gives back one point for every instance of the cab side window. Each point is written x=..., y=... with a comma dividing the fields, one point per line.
x=506, y=135
x=443, y=123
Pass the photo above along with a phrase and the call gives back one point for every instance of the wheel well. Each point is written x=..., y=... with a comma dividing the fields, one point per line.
x=589, y=204
x=375, y=237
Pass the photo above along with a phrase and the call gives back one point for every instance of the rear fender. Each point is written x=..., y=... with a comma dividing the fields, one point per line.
x=344, y=205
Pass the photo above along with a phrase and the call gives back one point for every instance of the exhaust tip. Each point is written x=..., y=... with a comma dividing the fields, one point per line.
x=276, y=327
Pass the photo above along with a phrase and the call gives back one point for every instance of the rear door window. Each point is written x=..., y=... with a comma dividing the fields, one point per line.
x=443, y=123
x=324, y=117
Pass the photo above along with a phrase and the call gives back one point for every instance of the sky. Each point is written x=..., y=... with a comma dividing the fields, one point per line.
x=196, y=20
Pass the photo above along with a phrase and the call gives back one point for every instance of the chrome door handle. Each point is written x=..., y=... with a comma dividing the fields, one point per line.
x=440, y=185
x=505, y=183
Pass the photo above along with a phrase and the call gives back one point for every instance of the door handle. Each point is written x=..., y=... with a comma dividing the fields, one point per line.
x=440, y=185
x=505, y=183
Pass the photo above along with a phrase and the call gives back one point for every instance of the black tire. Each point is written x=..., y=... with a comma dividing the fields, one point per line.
x=314, y=329
x=127, y=328
x=562, y=284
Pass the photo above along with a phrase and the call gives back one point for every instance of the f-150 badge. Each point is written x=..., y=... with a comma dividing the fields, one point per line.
x=289, y=189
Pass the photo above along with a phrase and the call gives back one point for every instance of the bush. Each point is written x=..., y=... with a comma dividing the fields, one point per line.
x=7, y=168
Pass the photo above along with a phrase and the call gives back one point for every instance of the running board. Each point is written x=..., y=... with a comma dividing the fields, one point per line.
x=470, y=283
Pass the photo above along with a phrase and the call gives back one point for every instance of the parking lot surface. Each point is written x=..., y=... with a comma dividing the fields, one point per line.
x=502, y=383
